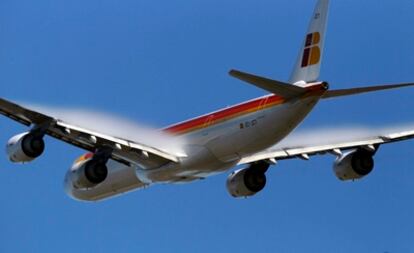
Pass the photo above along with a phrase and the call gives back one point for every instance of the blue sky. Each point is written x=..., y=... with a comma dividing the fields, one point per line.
x=162, y=62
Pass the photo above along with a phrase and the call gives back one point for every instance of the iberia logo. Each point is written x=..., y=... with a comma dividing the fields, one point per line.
x=312, y=52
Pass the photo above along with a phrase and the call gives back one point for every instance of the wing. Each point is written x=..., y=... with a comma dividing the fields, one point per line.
x=124, y=151
x=328, y=141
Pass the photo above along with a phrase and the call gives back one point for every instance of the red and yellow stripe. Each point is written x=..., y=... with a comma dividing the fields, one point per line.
x=234, y=111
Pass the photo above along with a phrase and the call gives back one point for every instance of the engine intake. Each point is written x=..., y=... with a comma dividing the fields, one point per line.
x=247, y=182
x=354, y=165
x=96, y=172
x=88, y=173
x=25, y=147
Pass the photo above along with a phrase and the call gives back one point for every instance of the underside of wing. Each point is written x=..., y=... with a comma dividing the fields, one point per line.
x=334, y=141
x=122, y=149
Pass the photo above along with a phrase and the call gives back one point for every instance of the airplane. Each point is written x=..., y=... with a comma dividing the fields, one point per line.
x=248, y=134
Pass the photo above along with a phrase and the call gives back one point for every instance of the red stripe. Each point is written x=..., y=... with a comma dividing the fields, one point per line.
x=224, y=114
x=229, y=113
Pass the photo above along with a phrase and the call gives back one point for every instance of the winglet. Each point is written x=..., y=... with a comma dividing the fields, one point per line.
x=280, y=88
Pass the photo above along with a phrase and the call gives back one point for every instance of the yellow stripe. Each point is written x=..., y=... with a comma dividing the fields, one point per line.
x=215, y=122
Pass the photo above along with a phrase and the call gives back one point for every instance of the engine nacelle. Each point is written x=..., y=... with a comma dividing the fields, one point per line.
x=246, y=182
x=25, y=147
x=354, y=165
x=87, y=172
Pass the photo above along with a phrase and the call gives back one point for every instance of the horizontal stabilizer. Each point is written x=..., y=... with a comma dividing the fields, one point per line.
x=360, y=90
x=280, y=88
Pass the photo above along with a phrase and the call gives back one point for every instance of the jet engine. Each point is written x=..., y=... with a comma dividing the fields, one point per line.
x=354, y=165
x=88, y=172
x=247, y=182
x=25, y=147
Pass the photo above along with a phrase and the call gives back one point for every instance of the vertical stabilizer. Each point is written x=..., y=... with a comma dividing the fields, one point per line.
x=308, y=64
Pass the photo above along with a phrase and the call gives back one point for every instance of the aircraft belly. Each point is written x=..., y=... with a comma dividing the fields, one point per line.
x=201, y=162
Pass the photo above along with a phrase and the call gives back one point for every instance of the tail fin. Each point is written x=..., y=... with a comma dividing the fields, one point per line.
x=309, y=61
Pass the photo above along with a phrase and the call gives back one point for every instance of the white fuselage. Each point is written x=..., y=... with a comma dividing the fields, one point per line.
x=212, y=148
